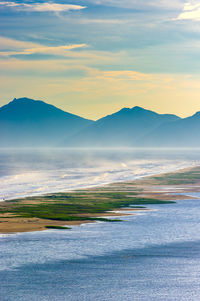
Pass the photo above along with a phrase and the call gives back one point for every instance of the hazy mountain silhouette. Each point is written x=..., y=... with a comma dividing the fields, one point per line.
x=123, y=128
x=26, y=122
x=181, y=133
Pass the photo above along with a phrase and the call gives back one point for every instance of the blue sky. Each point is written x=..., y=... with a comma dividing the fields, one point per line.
x=95, y=57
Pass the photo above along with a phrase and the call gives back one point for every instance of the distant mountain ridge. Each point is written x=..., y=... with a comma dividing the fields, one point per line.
x=25, y=122
x=182, y=133
x=123, y=128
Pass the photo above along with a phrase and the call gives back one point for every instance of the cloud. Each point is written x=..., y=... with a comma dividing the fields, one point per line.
x=57, y=50
x=191, y=11
x=53, y=50
x=57, y=7
x=140, y=4
x=102, y=21
x=98, y=92
x=10, y=47
x=25, y=48
x=42, y=7
x=126, y=75
x=12, y=44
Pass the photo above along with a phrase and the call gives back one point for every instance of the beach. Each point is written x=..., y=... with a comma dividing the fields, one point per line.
x=135, y=240
x=22, y=215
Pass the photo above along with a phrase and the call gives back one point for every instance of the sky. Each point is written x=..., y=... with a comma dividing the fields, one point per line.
x=94, y=57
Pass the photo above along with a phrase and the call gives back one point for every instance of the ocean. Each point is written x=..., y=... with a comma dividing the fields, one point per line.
x=154, y=255
x=27, y=172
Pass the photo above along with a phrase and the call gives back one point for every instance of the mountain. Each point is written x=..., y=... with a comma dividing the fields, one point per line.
x=26, y=122
x=125, y=128
x=181, y=133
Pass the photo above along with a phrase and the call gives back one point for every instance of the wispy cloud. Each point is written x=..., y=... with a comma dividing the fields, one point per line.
x=57, y=50
x=12, y=44
x=97, y=92
x=191, y=11
x=87, y=56
x=124, y=75
x=25, y=48
x=102, y=21
x=41, y=7
x=140, y=4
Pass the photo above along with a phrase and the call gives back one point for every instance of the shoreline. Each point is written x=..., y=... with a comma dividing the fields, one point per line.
x=93, y=186
x=158, y=189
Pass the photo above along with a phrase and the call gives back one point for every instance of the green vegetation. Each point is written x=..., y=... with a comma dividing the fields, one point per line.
x=92, y=204
x=179, y=178
x=77, y=206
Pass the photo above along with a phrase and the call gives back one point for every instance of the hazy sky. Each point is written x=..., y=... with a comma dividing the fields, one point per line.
x=94, y=57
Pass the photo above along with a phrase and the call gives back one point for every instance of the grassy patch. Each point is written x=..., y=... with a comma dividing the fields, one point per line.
x=75, y=206
x=179, y=178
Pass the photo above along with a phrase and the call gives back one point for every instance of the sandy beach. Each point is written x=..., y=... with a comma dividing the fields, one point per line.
x=163, y=187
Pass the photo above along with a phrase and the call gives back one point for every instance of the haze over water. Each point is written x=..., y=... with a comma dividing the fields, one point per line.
x=31, y=172
x=153, y=255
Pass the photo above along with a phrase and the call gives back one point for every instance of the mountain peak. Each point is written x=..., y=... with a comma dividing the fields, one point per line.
x=28, y=122
x=137, y=108
x=130, y=110
x=140, y=111
x=23, y=99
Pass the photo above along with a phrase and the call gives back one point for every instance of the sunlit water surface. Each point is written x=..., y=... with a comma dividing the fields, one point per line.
x=154, y=255
x=32, y=172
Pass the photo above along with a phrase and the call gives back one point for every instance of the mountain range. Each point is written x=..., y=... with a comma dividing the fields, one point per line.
x=26, y=122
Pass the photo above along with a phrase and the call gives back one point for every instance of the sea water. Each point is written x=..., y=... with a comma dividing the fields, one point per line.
x=27, y=172
x=154, y=255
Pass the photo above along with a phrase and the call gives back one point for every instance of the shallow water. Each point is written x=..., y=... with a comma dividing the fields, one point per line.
x=152, y=256
x=32, y=172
